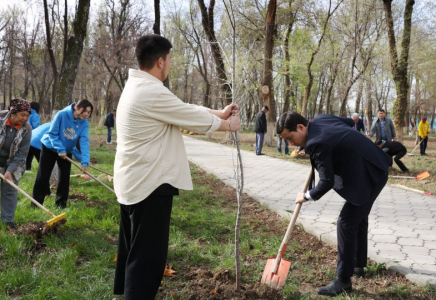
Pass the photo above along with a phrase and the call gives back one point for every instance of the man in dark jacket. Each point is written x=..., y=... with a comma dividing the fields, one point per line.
x=359, y=126
x=393, y=148
x=110, y=124
x=260, y=127
x=352, y=166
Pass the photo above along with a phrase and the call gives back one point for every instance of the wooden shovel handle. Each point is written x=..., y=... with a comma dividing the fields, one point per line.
x=291, y=225
x=90, y=175
x=26, y=195
x=101, y=170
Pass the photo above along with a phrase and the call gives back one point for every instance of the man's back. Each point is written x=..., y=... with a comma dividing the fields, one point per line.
x=346, y=160
x=393, y=147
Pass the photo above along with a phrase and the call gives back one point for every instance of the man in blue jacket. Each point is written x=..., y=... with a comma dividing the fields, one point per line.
x=355, y=168
x=110, y=124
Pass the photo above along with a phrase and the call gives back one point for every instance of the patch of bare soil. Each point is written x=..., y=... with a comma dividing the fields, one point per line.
x=38, y=231
x=77, y=196
x=313, y=263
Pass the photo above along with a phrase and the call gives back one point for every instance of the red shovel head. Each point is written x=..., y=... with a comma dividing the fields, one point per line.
x=276, y=280
x=422, y=175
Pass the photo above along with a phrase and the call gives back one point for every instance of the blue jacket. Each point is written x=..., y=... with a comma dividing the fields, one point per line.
x=37, y=134
x=33, y=119
x=64, y=133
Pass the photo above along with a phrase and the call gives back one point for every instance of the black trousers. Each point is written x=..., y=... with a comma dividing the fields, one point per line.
x=399, y=162
x=32, y=152
x=41, y=188
x=143, y=247
x=423, y=144
x=352, y=229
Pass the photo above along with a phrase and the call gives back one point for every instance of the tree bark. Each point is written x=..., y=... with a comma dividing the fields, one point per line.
x=399, y=64
x=156, y=25
x=207, y=21
x=267, y=78
x=73, y=54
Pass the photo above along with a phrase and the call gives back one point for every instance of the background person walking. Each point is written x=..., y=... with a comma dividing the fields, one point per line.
x=109, y=122
x=260, y=127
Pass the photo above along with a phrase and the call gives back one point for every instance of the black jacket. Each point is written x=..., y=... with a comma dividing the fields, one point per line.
x=109, y=122
x=359, y=126
x=260, y=124
x=392, y=148
x=346, y=160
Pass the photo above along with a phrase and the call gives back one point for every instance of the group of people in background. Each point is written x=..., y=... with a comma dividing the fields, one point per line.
x=22, y=138
x=383, y=129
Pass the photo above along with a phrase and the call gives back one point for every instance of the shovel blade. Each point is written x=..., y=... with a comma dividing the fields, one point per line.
x=423, y=175
x=276, y=280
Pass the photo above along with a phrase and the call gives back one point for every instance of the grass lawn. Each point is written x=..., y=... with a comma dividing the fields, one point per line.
x=75, y=260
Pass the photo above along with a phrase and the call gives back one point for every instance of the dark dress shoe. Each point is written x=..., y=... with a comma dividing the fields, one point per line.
x=359, y=272
x=260, y=154
x=335, y=288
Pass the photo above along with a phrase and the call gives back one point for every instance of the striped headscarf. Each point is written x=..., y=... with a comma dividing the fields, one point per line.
x=18, y=105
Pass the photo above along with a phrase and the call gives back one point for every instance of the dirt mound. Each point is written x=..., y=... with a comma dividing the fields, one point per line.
x=38, y=231
x=203, y=284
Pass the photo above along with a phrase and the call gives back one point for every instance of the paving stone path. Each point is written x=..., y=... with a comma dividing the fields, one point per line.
x=402, y=224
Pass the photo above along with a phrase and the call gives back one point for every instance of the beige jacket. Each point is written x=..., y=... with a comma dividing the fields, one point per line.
x=150, y=148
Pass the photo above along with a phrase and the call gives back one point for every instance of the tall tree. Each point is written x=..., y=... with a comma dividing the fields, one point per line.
x=207, y=20
x=399, y=64
x=267, y=78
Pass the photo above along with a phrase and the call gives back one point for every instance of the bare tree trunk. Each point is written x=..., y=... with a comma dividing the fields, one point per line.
x=267, y=78
x=287, y=84
x=73, y=54
x=359, y=96
x=208, y=26
x=156, y=25
x=399, y=64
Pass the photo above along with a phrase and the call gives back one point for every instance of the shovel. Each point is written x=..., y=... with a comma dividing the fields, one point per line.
x=89, y=174
x=276, y=269
x=420, y=176
x=50, y=222
x=411, y=153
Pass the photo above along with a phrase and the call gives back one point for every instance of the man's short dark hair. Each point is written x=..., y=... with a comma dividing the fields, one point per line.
x=289, y=120
x=378, y=142
x=381, y=110
x=149, y=48
x=265, y=107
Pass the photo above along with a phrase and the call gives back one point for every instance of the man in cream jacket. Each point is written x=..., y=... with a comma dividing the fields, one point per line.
x=151, y=165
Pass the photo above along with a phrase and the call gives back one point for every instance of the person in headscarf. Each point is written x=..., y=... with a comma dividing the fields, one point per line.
x=15, y=135
x=423, y=131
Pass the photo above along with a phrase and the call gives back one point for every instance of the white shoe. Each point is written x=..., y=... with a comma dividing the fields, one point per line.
x=108, y=143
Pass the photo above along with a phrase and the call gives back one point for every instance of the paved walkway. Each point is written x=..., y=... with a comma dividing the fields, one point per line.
x=402, y=229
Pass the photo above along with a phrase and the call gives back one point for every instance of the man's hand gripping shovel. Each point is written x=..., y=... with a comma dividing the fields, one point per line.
x=276, y=269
